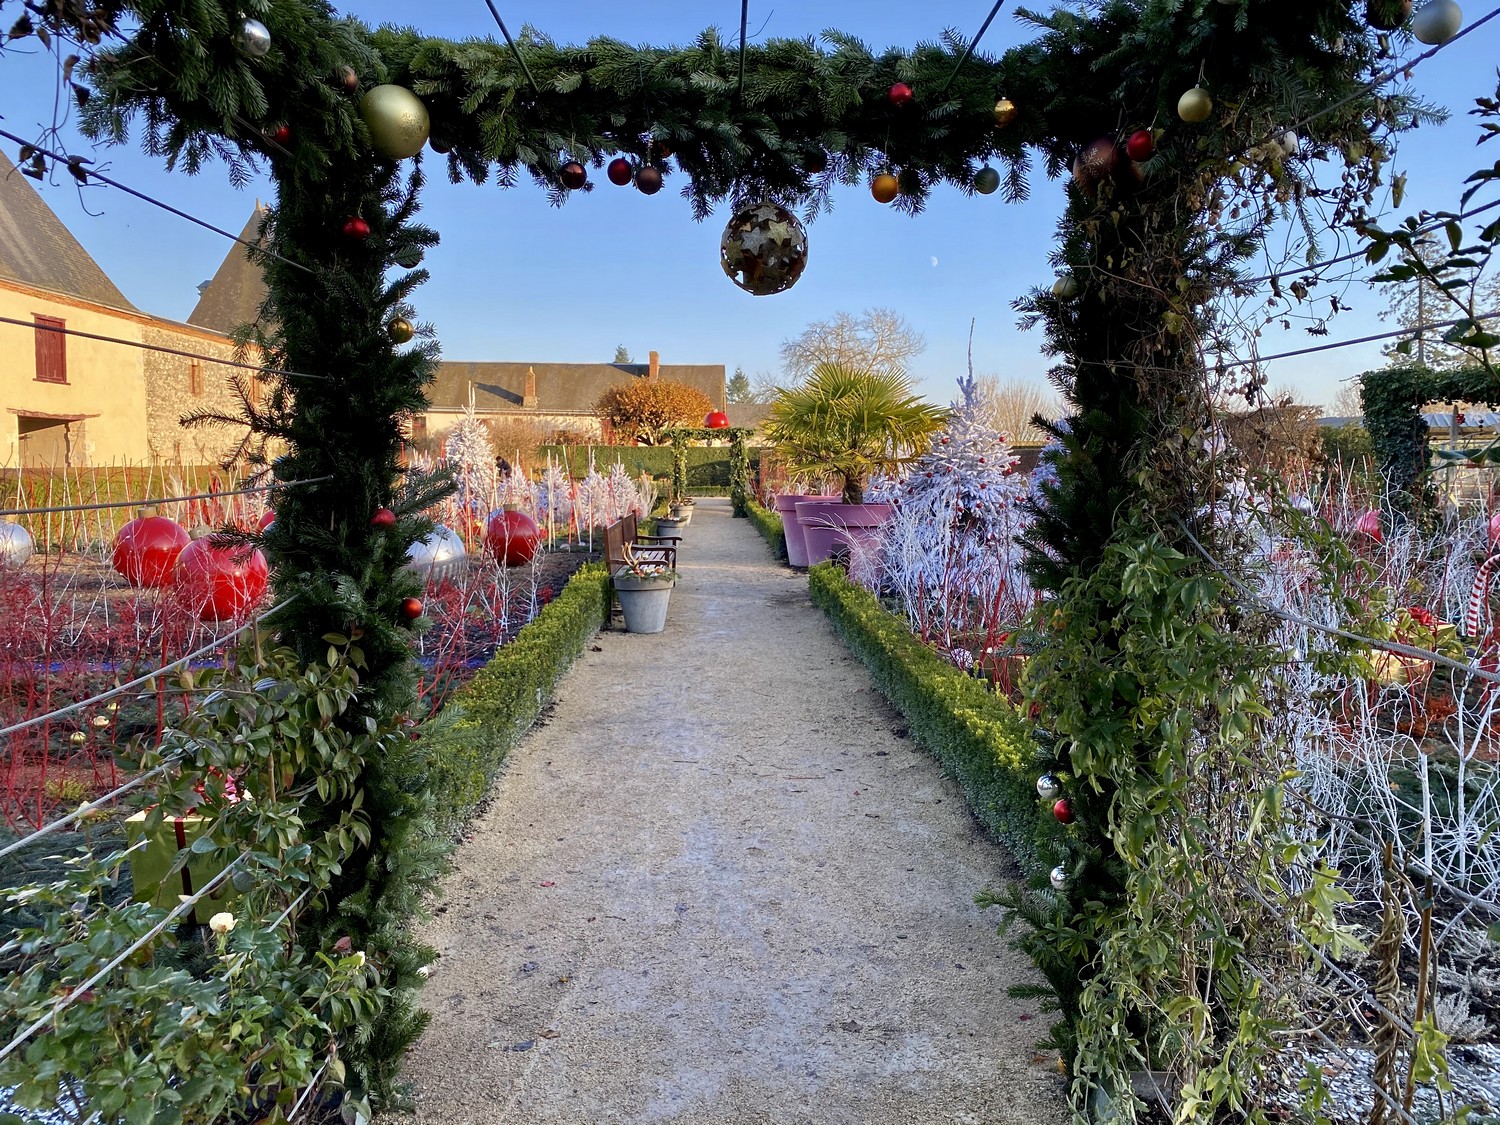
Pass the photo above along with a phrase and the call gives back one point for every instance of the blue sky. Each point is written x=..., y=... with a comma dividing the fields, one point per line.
x=516, y=279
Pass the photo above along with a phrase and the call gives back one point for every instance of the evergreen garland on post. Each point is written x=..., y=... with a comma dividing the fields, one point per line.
x=739, y=473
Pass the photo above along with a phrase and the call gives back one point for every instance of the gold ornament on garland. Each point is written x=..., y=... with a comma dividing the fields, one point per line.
x=885, y=187
x=764, y=249
x=397, y=121
x=400, y=330
x=1005, y=112
x=1195, y=105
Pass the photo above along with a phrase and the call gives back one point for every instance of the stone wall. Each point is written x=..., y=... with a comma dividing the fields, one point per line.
x=177, y=386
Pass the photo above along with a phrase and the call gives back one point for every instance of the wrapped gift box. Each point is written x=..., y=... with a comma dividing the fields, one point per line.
x=149, y=865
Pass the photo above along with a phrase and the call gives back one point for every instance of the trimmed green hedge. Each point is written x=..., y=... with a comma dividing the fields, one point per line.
x=976, y=735
x=490, y=715
x=768, y=523
x=707, y=466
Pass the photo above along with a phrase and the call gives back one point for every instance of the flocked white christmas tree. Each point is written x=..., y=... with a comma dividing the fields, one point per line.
x=952, y=550
x=471, y=457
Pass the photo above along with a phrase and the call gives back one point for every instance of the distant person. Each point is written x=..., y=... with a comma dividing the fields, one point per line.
x=502, y=466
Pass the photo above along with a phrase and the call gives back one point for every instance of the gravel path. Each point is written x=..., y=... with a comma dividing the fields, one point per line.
x=719, y=886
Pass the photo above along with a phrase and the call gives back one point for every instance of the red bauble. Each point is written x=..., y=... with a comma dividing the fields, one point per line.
x=619, y=171
x=266, y=520
x=278, y=134
x=221, y=583
x=512, y=537
x=648, y=180
x=146, y=550
x=1368, y=525
x=716, y=420
x=1494, y=529
x=348, y=80
x=411, y=608
x=1063, y=810
x=383, y=520
x=574, y=175
x=900, y=94
x=1095, y=164
x=356, y=228
x=1140, y=145
x=816, y=163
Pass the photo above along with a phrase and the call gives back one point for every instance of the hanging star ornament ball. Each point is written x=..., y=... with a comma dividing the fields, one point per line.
x=764, y=249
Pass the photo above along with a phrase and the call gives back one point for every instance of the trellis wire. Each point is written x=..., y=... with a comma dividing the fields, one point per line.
x=159, y=499
x=159, y=348
x=85, y=809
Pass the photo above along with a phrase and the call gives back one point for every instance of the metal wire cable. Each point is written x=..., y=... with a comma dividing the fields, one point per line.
x=161, y=348
x=520, y=58
x=1359, y=340
x=307, y=1093
x=120, y=689
x=103, y=505
x=973, y=44
x=85, y=809
x=102, y=178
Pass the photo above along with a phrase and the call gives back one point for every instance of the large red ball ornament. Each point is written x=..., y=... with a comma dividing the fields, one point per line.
x=900, y=94
x=1140, y=145
x=1063, y=810
x=648, y=180
x=574, y=175
x=383, y=520
x=220, y=583
x=512, y=537
x=619, y=171
x=1368, y=525
x=356, y=228
x=716, y=420
x=146, y=550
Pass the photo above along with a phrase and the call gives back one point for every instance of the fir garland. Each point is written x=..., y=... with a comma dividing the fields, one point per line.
x=1392, y=399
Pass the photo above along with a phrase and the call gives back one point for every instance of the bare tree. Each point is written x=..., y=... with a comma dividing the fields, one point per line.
x=1345, y=402
x=879, y=340
x=1013, y=404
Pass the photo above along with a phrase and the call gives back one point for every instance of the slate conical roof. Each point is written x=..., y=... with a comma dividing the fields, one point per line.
x=37, y=250
x=235, y=294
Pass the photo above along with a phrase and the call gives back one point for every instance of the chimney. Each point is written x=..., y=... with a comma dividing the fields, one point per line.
x=529, y=398
x=655, y=368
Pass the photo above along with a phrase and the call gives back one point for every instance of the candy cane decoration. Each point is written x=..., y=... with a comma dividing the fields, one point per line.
x=1479, y=596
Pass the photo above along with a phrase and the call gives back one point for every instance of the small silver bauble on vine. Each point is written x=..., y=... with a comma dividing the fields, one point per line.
x=1048, y=787
x=764, y=249
x=1058, y=878
x=253, y=38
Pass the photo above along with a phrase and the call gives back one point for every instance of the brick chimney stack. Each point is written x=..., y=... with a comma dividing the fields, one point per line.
x=655, y=367
x=529, y=398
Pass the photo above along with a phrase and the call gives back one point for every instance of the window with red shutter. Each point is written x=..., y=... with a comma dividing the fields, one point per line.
x=195, y=378
x=51, y=350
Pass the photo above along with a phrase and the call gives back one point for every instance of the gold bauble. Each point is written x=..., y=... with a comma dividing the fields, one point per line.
x=400, y=330
x=397, y=121
x=885, y=187
x=1005, y=112
x=1195, y=105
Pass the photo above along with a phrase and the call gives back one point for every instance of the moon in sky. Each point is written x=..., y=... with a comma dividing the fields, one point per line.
x=934, y=262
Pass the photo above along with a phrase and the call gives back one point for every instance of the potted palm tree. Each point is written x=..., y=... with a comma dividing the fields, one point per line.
x=852, y=424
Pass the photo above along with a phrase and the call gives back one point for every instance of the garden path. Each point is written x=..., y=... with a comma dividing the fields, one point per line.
x=718, y=885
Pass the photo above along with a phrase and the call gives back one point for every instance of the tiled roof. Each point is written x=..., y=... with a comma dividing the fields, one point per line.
x=235, y=294
x=37, y=250
x=560, y=387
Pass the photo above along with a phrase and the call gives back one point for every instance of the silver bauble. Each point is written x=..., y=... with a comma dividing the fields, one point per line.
x=986, y=180
x=397, y=120
x=253, y=39
x=1048, y=787
x=764, y=249
x=1437, y=21
x=1066, y=287
x=441, y=555
x=15, y=545
x=1058, y=878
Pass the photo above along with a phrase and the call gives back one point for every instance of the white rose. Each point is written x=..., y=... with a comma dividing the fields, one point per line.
x=221, y=923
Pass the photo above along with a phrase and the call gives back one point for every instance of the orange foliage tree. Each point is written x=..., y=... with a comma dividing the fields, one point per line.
x=644, y=409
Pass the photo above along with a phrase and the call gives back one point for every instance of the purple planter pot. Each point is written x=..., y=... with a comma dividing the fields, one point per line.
x=796, y=544
x=828, y=525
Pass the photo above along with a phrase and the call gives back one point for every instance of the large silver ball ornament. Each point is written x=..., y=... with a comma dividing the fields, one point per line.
x=1066, y=287
x=1058, y=878
x=440, y=556
x=764, y=249
x=15, y=545
x=1048, y=787
x=1437, y=21
x=986, y=180
x=253, y=39
x=397, y=120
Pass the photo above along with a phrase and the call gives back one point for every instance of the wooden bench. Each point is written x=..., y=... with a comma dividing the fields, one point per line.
x=646, y=548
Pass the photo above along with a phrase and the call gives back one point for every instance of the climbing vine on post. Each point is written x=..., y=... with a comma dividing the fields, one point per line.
x=1392, y=399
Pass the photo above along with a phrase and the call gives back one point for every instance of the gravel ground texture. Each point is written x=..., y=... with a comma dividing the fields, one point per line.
x=719, y=885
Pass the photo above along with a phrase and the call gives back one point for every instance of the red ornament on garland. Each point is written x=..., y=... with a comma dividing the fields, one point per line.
x=574, y=175
x=1368, y=525
x=356, y=228
x=648, y=180
x=220, y=583
x=512, y=537
x=619, y=171
x=816, y=163
x=900, y=94
x=411, y=608
x=277, y=134
x=383, y=520
x=1063, y=811
x=268, y=517
x=1494, y=529
x=716, y=420
x=1140, y=145
x=348, y=80
x=146, y=550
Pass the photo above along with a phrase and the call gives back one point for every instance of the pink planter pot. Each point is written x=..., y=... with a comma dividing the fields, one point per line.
x=828, y=525
x=796, y=544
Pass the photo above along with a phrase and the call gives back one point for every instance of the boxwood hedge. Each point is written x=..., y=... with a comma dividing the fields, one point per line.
x=768, y=523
